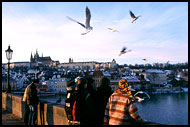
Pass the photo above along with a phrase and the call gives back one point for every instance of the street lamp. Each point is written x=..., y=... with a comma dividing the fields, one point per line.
x=9, y=53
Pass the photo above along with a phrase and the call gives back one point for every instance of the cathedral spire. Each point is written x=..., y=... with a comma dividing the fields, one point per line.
x=31, y=57
x=37, y=55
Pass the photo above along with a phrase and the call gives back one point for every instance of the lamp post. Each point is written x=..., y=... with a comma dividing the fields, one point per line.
x=9, y=53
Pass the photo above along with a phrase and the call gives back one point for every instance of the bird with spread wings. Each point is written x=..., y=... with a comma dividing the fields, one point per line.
x=133, y=16
x=87, y=23
x=113, y=30
x=141, y=96
x=124, y=50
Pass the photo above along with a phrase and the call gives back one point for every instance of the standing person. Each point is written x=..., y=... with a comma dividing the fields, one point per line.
x=32, y=101
x=90, y=87
x=83, y=106
x=101, y=98
x=70, y=100
x=121, y=109
x=92, y=91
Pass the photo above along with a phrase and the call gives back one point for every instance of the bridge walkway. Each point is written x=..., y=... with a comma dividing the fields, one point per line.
x=10, y=119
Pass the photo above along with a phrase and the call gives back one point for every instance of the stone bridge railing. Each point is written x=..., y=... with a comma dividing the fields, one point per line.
x=48, y=113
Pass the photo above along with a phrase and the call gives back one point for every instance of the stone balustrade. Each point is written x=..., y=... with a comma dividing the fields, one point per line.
x=48, y=113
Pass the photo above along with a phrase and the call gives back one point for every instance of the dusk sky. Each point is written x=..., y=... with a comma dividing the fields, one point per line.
x=160, y=35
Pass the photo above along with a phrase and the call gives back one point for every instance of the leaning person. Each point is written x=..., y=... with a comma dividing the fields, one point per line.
x=121, y=109
x=32, y=101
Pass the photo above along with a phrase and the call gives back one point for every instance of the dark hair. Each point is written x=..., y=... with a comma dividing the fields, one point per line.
x=36, y=81
x=90, y=86
x=90, y=81
x=82, y=83
x=104, y=83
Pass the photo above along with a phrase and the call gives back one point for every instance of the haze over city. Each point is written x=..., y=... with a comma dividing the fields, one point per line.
x=159, y=35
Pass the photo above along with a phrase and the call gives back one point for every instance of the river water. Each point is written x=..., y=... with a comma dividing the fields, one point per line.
x=167, y=109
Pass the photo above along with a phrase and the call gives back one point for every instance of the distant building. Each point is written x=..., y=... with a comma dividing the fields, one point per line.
x=61, y=85
x=78, y=65
x=96, y=75
x=18, y=64
x=42, y=87
x=107, y=65
x=133, y=81
x=156, y=77
x=56, y=85
x=90, y=65
x=36, y=60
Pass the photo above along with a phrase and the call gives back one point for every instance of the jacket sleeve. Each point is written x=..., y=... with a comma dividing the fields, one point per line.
x=24, y=96
x=133, y=111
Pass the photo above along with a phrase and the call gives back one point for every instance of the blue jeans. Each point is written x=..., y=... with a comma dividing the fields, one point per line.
x=32, y=114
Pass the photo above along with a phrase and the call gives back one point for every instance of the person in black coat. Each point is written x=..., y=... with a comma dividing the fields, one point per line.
x=69, y=100
x=101, y=98
x=91, y=87
x=84, y=108
x=32, y=101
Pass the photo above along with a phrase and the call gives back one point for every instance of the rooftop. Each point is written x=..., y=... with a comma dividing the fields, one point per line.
x=154, y=71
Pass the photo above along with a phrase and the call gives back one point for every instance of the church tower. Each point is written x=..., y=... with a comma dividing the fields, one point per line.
x=70, y=61
x=31, y=60
x=36, y=58
x=113, y=61
x=31, y=57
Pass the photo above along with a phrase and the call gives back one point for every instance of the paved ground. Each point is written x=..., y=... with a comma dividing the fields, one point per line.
x=10, y=119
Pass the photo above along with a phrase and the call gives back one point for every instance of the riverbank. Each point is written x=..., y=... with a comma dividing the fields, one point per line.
x=168, y=90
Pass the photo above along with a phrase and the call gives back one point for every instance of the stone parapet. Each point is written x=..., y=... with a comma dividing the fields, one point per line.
x=48, y=113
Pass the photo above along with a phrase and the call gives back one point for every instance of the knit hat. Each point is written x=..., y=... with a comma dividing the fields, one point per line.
x=124, y=86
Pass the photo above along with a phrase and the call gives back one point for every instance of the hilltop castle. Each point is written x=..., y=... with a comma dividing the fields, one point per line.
x=41, y=61
x=92, y=65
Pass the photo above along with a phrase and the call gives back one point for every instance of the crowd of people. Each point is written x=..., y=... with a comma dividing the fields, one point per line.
x=87, y=105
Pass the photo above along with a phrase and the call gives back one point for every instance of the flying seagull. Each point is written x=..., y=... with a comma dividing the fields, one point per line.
x=141, y=96
x=113, y=30
x=87, y=23
x=123, y=51
x=133, y=16
x=144, y=59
